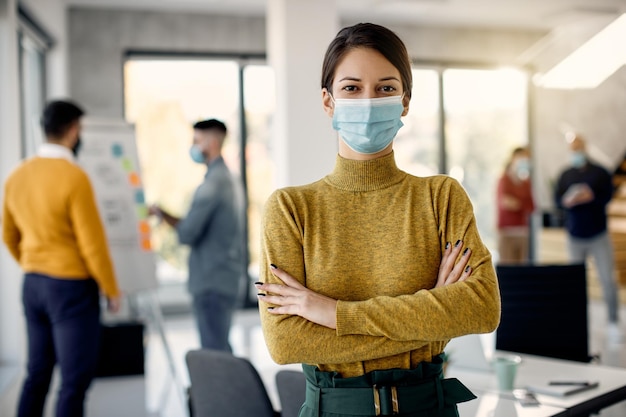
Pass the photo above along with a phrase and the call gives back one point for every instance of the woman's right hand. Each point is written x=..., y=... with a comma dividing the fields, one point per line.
x=449, y=272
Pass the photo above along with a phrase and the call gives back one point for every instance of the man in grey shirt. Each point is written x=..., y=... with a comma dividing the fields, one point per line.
x=213, y=228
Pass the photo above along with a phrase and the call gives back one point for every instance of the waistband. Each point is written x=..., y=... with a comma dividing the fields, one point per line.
x=385, y=392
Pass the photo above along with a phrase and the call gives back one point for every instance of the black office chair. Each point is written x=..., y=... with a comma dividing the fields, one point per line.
x=291, y=387
x=544, y=311
x=223, y=385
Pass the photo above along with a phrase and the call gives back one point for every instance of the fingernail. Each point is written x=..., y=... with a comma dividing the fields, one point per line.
x=465, y=251
x=261, y=295
x=270, y=308
x=258, y=283
x=447, y=245
x=273, y=266
x=468, y=268
x=458, y=242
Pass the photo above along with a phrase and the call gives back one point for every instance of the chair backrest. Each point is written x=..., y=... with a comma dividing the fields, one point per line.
x=223, y=385
x=544, y=310
x=291, y=387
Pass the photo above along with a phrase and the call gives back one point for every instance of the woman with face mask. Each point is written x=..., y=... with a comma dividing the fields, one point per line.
x=369, y=272
x=515, y=204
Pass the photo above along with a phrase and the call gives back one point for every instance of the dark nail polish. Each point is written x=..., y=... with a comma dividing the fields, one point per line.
x=465, y=251
x=258, y=283
x=447, y=245
x=270, y=308
x=273, y=266
x=261, y=294
x=458, y=242
x=467, y=268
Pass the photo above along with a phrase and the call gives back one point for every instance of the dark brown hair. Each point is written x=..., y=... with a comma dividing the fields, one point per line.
x=58, y=117
x=367, y=35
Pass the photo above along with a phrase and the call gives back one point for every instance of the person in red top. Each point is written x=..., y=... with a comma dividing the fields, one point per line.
x=515, y=204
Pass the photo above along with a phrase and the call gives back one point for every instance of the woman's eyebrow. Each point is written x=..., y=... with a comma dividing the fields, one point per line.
x=349, y=78
x=389, y=78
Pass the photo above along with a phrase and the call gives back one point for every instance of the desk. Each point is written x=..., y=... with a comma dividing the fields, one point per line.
x=489, y=404
x=538, y=370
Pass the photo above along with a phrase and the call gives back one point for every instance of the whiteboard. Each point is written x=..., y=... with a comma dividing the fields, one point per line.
x=108, y=154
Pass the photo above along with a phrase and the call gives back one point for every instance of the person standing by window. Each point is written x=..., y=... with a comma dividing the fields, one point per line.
x=369, y=272
x=213, y=228
x=51, y=226
x=515, y=205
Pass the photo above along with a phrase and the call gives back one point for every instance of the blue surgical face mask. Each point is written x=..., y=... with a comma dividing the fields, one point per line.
x=368, y=125
x=196, y=154
x=522, y=168
x=578, y=159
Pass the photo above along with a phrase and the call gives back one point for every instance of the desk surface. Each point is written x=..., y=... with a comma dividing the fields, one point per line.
x=540, y=370
x=490, y=404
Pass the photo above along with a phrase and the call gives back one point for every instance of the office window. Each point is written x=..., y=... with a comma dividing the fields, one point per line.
x=33, y=44
x=163, y=98
x=417, y=146
x=486, y=118
x=484, y=115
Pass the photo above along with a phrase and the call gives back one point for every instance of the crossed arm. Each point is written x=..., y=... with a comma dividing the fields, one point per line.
x=293, y=298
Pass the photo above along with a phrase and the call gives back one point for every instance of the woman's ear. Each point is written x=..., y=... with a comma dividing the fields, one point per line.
x=405, y=102
x=327, y=102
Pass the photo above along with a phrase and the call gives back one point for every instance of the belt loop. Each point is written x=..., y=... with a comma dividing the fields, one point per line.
x=439, y=390
x=376, y=401
x=318, y=400
x=394, y=400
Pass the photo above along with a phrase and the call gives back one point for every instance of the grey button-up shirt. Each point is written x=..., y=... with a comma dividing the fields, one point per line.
x=213, y=228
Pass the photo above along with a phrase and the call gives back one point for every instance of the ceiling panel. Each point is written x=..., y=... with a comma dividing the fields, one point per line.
x=512, y=14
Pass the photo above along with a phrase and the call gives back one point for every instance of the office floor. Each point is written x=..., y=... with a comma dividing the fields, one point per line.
x=161, y=395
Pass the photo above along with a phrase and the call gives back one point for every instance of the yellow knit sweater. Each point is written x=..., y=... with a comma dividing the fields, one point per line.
x=51, y=225
x=372, y=237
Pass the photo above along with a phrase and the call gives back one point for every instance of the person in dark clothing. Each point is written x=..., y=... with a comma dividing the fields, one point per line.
x=583, y=191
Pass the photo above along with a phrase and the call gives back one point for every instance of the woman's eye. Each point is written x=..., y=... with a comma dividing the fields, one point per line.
x=388, y=89
x=349, y=88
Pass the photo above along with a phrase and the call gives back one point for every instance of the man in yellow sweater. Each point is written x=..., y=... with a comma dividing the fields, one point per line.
x=51, y=226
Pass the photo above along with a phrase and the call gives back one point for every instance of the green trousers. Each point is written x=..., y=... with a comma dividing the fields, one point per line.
x=419, y=392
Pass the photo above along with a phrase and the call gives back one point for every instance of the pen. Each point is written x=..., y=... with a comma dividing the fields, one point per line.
x=581, y=383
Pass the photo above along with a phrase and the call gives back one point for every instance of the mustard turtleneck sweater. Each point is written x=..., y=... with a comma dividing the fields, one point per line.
x=372, y=237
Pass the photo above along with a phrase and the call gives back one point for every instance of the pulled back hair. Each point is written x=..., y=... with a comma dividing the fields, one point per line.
x=367, y=35
x=211, y=124
x=58, y=117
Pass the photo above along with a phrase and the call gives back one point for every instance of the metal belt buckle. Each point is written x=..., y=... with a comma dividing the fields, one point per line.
x=394, y=401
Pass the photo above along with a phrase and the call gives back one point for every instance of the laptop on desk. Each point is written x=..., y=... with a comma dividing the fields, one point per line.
x=471, y=351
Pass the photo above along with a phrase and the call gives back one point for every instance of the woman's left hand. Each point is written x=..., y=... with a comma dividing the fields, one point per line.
x=293, y=298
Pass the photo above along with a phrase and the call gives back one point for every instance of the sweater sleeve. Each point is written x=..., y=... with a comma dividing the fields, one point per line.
x=91, y=238
x=472, y=306
x=293, y=339
x=10, y=232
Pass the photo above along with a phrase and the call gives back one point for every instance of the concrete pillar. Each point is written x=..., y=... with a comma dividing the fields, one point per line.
x=12, y=333
x=298, y=33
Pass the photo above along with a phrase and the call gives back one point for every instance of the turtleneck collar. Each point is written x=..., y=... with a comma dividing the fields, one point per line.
x=360, y=176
